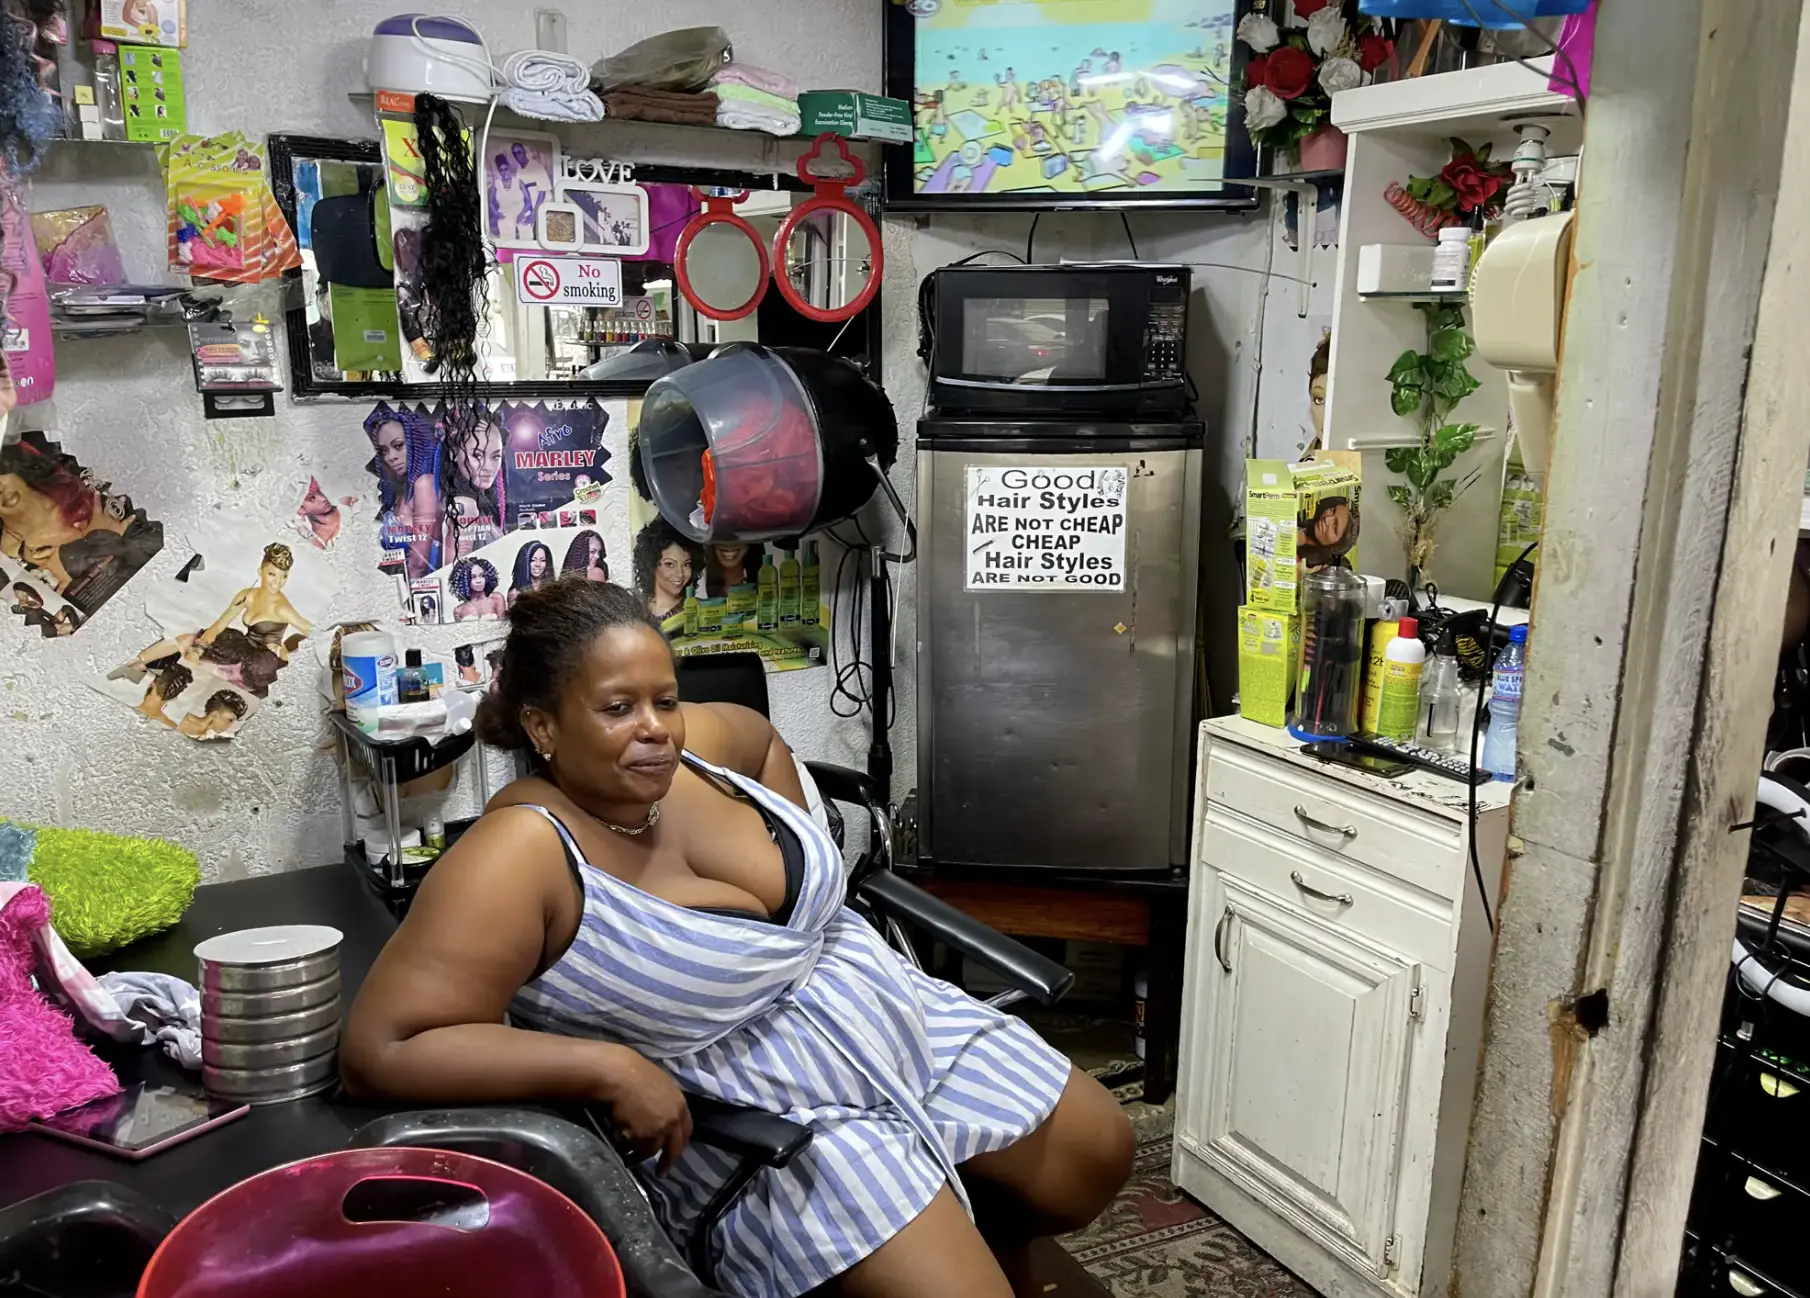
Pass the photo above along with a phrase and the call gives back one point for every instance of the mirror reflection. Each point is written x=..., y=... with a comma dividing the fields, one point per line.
x=725, y=267
x=829, y=259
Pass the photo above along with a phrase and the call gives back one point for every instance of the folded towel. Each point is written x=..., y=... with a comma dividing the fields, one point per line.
x=751, y=97
x=545, y=70
x=746, y=74
x=749, y=117
x=553, y=105
x=640, y=104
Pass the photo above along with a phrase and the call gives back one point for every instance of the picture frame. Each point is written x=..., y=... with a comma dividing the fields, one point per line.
x=560, y=227
x=519, y=172
x=1041, y=119
x=614, y=218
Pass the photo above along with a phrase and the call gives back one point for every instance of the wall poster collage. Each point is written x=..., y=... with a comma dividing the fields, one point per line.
x=766, y=599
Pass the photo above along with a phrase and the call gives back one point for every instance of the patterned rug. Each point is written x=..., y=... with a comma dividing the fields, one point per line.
x=1155, y=1242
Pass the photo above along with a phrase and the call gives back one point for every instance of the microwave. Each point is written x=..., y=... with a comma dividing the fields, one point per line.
x=1107, y=339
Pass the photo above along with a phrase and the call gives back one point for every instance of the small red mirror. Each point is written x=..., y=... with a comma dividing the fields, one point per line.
x=720, y=261
x=827, y=257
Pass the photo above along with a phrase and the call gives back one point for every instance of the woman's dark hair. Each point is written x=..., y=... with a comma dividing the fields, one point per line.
x=460, y=578
x=578, y=554
x=524, y=570
x=550, y=629
x=465, y=655
x=57, y=476
x=233, y=703
x=1315, y=555
x=1322, y=358
x=652, y=541
x=468, y=434
x=172, y=680
x=423, y=452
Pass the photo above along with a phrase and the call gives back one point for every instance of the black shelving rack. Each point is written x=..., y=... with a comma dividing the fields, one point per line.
x=1751, y=1203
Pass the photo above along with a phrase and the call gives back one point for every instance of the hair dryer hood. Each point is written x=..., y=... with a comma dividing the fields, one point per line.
x=759, y=443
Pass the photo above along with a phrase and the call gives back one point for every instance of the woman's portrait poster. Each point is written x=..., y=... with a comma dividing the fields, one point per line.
x=230, y=631
x=66, y=531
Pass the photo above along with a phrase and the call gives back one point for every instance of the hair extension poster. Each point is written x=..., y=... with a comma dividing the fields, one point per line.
x=554, y=456
x=716, y=599
x=230, y=628
x=408, y=223
x=405, y=447
x=66, y=535
x=36, y=605
x=324, y=510
x=484, y=586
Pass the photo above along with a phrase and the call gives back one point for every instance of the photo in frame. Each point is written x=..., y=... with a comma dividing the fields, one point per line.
x=517, y=176
x=614, y=217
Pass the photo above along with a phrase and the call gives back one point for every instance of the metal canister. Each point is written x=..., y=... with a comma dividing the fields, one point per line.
x=270, y=1011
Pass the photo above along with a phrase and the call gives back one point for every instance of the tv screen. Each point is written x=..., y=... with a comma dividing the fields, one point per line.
x=1028, y=104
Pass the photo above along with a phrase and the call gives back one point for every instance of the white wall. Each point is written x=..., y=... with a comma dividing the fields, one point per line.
x=269, y=800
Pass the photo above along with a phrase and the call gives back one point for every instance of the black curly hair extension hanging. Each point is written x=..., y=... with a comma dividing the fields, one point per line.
x=455, y=287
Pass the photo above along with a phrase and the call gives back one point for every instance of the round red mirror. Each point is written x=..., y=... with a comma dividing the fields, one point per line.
x=719, y=260
x=827, y=258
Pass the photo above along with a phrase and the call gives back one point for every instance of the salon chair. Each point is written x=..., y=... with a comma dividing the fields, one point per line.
x=552, y=1148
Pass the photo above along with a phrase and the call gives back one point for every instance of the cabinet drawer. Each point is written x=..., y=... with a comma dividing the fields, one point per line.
x=1399, y=840
x=1377, y=908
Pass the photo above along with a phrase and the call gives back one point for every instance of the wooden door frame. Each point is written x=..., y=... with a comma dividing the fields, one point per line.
x=1672, y=511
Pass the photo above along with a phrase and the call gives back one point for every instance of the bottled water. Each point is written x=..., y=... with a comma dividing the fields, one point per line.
x=1505, y=707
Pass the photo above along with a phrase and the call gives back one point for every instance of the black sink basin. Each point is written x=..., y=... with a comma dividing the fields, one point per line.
x=89, y=1239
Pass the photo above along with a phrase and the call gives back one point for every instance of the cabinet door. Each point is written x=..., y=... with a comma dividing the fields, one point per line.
x=1306, y=1033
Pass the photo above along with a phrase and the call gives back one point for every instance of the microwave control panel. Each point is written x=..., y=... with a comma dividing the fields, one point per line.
x=1165, y=338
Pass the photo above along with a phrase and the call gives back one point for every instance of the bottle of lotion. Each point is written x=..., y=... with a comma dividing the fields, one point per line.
x=1403, y=662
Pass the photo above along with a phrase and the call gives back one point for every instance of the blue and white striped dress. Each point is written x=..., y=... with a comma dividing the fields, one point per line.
x=900, y=1077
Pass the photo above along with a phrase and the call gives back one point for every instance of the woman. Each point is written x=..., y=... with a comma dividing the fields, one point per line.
x=224, y=710
x=471, y=486
x=533, y=569
x=169, y=678
x=664, y=562
x=248, y=655
x=465, y=658
x=317, y=517
x=53, y=519
x=654, y=910
x=585, y=558
x=1317, y=367
x=474, y=585
x=729, y=566
x=406, y=464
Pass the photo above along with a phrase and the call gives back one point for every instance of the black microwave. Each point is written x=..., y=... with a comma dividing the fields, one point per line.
x=1107, y=339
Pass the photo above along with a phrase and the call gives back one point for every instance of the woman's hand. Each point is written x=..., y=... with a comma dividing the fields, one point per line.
x=647, y=1108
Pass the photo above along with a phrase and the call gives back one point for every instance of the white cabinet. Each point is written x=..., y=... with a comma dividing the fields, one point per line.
x=1337, y=962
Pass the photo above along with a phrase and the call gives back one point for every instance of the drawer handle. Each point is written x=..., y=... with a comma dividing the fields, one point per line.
x=1219, y=933
x=1343, y=831
x=1341, y=898
x=1758, y=1189
x=1745, y=1285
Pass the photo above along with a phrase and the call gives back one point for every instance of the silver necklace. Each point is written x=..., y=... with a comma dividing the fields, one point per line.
x=653, y=818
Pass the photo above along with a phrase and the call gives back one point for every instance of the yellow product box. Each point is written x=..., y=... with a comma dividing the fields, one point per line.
x=1298, y=517
x=1269, y=646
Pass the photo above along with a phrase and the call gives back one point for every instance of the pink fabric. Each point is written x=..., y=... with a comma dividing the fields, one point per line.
x=774, y=83
x=44, y=1068
x=1577, y=39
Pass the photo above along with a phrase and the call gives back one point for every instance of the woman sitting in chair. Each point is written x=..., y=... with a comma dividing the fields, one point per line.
x=654, y=910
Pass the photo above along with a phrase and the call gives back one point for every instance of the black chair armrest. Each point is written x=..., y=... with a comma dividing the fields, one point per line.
x=573, y=1161
x=1038, y=977
x=765, y=1139
x=841, y=784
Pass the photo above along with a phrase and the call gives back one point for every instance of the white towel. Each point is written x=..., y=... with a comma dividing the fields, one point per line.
x=741, y=116
x=544, y=84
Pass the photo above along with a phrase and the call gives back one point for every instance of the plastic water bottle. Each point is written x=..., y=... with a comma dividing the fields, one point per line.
x=1505, y=707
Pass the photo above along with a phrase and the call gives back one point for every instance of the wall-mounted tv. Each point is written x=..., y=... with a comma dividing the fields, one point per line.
x=1027, y=105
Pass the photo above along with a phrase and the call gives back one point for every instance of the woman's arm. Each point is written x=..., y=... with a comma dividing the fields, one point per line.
x=427, y=1024
x=422, y=517
x=220, y=623
x=298, y=623
x=745, y=742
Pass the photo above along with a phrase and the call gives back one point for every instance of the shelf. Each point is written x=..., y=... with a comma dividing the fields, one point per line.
x=1330, y=176
x=629, y=139
x=1418, y=295
x=1486, y=99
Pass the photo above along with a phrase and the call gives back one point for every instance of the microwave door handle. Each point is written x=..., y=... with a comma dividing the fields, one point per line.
x=1007, y=384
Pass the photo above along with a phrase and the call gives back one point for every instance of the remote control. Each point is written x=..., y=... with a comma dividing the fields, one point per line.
x=1451, y=766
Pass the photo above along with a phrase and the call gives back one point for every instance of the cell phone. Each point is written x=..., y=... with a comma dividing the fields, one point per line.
x=140, y=1120
x=1330, y=751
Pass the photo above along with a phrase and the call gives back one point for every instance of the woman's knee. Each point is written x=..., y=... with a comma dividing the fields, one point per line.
x=1100, y=1167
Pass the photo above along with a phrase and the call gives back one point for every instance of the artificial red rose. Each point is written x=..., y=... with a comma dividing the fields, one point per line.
x=1474, y=186
x=1374, y=51
x=1288, y=72
x=1308, y=8
x=1256, y=69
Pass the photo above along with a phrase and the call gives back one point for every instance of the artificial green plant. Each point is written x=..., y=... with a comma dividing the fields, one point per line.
x=1427, y=387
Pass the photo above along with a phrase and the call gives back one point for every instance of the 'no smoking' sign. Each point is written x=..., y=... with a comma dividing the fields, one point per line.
x=568, y=281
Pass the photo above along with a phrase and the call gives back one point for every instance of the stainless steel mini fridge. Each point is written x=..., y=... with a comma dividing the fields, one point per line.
x=1055, y=622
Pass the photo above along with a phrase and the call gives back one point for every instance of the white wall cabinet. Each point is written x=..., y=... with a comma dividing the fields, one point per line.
x=1337, y=962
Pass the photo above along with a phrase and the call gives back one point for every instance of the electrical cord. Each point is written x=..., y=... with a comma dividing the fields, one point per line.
x=1030, y=240
x=1489, y=640
x=1130, y=238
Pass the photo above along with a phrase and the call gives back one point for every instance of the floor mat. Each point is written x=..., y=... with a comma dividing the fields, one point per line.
x=1155, y=1242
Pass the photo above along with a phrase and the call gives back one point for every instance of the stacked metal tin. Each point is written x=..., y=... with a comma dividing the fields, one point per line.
x=270, y=1012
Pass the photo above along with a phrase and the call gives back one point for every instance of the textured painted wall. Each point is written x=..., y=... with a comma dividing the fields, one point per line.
x=270, y=800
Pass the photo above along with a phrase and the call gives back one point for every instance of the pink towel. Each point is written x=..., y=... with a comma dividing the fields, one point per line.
x=44, y=1067
x=774, y=83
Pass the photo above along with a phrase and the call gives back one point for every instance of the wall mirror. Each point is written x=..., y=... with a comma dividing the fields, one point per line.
x=345, y=330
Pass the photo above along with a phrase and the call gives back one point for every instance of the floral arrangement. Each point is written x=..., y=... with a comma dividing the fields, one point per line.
x=1468, y=186
x=1294, y=72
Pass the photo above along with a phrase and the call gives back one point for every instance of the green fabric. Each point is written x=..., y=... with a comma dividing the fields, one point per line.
x=756, y=96
x=107, y=891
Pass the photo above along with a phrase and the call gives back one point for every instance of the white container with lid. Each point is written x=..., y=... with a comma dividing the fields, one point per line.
x=1452, y=259
x=368, y=663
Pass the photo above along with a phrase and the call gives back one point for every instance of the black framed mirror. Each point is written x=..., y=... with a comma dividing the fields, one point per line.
x=345, y=330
